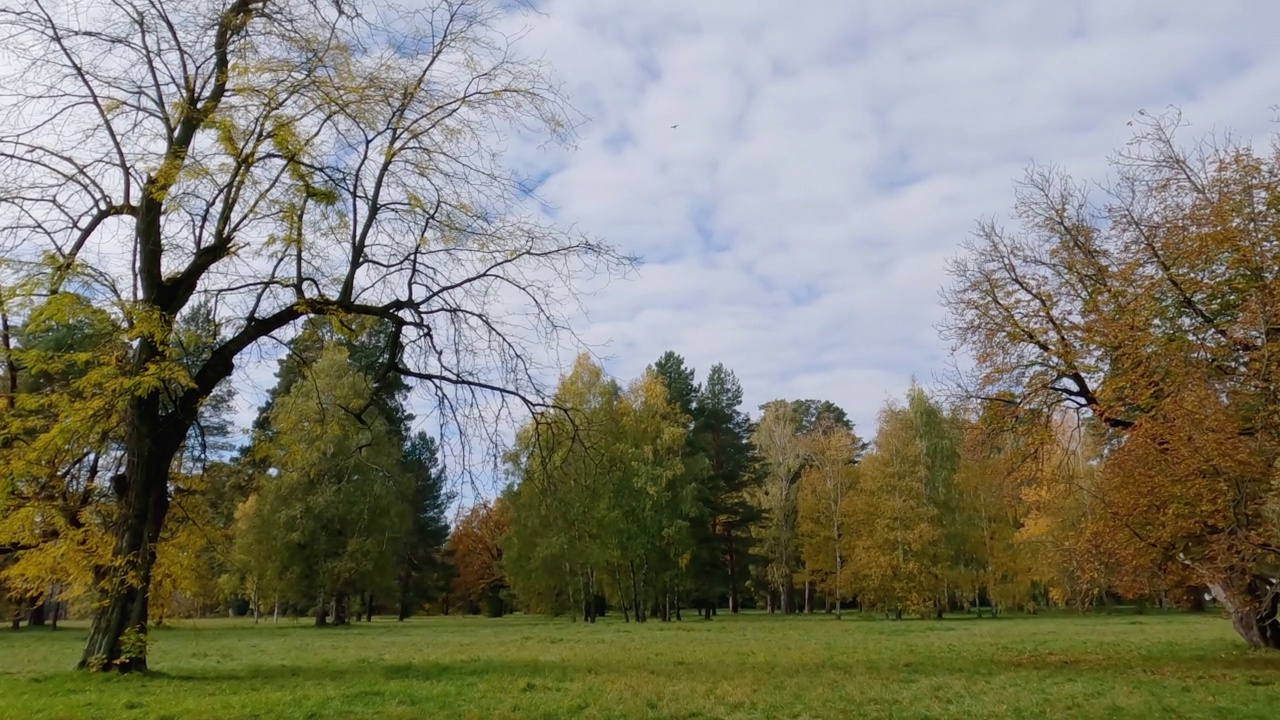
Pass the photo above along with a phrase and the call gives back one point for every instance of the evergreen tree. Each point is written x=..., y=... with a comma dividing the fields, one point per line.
x=682, y=389
x=721, y=436
x=425, y=572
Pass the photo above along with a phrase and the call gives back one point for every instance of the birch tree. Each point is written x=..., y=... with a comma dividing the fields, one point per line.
x=782, y=458
x=826, y=487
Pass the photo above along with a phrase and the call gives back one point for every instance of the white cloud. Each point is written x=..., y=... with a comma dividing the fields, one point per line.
x=831, y=154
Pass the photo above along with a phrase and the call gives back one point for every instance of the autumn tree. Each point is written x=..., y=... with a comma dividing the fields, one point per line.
x=1002, y=459
x=658, y=494
x=777, y=441
x=897, y=531
x=1150, y=306
x=826, y=488
x=479, y=583
x=277, y=160
x=60, y=423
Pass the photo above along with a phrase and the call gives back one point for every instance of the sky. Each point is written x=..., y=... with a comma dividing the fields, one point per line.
x=829, y=155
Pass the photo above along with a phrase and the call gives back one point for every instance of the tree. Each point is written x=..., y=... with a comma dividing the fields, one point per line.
x=897, y=537
x=987, y=554
x=476, y=548
x=601, y=493
x=566, y=474
x=425, y=572
x=939, y=439
x=819, y=414
x=188, y=568
x=776, y=439
x=280, y=161
x=1062, y=511
x=682, y=390
x=721, y=435
x=62, y=364
x=826, y=485
x=332, y=518
x=657, y=494
x=1149, y=307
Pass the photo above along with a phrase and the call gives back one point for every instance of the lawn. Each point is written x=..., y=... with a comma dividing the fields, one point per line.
x=752, y=666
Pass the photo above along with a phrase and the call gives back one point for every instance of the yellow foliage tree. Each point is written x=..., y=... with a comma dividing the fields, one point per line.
x=824, y=504
x=897, y=533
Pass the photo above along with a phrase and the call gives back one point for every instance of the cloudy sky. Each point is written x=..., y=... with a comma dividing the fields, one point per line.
x=830, y=154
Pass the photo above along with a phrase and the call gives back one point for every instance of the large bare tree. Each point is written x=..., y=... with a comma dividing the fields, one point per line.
x=275, y=159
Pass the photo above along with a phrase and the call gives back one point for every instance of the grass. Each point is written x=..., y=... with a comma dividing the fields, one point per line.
x=751, y=666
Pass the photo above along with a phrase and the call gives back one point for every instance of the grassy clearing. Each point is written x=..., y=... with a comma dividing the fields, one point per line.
x=753, y=666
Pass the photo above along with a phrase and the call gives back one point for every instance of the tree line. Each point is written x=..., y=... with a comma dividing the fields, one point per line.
x=664, y=496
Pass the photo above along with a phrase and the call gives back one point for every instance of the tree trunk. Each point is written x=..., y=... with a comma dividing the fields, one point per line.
x=808, y=597
x=732, y=562
x=118, y=632
x=787, y=600
x=36, y=618
x=677, y=590
x=635, y=593
x=835, y=535
x=769, y=602
x=275, y=612
x=591, y=596
x=1257, y=621
x=339, y=609
x=617, y=579
x=257, y=608
x=368, y=608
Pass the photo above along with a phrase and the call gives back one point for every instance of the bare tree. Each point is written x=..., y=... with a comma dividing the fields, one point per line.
x=277, y=159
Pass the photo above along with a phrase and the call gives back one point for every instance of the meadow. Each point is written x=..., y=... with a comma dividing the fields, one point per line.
x=749, y=666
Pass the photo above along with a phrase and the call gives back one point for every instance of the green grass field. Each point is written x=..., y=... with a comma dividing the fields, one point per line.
x=752, y=666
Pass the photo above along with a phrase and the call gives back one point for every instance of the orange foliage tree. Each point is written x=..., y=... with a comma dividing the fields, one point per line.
x=1154, y=308
x=474, y=544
